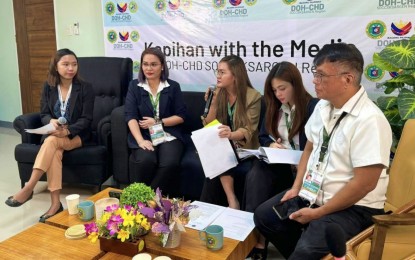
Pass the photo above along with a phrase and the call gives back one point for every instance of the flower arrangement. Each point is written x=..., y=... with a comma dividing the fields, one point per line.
x=166, y=215
x=123, y=223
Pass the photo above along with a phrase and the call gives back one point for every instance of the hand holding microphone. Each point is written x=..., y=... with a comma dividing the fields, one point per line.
x=210, y=94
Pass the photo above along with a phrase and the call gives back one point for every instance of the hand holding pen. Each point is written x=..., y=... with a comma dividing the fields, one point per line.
x=276, y=143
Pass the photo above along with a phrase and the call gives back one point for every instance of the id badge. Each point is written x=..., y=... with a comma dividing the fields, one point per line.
x=311, y=185
x=157, y=134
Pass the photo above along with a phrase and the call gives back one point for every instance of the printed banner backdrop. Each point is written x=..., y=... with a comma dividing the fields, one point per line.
x=196, y=34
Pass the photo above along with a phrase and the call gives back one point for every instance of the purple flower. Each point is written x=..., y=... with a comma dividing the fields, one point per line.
x=160, y=228
x=140, y=205
x=113, y=223
x=90, y=228
x=111, y=208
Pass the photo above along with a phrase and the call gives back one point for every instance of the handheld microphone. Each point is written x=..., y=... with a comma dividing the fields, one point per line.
x=209, y=100
x=336, y=241
x=62, y=121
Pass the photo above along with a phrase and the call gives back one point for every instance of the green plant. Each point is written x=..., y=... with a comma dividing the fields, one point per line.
x=136, y=192
x=398, y=57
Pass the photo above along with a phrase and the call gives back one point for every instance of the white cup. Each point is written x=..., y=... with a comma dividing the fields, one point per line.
x=142, y=256
x=72, y=201
x=162, y=258
x=102, y=204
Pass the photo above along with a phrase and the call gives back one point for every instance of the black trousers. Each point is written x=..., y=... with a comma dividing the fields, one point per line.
x=297, y=241
x=213, y=192
x=264, y=181
x=159, y=168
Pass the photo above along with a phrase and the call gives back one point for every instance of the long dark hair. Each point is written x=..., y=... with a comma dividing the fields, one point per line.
x=287, y=72
x=237, y=67
x=160, y=55
x=53, y=77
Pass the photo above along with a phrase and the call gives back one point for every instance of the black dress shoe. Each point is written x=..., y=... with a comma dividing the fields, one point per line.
x=45, y=216
x=14, y=203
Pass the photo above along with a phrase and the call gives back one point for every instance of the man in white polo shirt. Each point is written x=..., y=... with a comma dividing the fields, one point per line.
x=345, y=162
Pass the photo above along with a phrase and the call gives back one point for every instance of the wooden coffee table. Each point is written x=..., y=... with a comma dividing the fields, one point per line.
x=191, y=247
x=43, y=241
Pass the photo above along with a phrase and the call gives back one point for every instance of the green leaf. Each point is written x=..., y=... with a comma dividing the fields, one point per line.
x=385, y=103
x=393, y=117
x=382, y=63
x=400, y=54
x=404, y=79
x=406, y=104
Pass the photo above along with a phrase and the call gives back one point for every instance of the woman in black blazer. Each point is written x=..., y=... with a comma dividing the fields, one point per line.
x=155, y=103
x=67, y=104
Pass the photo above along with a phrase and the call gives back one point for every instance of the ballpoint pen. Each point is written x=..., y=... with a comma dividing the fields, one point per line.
x=272, y=138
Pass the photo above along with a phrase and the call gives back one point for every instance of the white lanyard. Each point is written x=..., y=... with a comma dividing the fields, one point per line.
x=64, y=104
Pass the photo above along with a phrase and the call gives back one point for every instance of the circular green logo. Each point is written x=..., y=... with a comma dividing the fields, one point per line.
x=186, y=4
x=135, y=36
x=133, y=7
x=376, y=29
x=112, y=36
x=136, y=66
x=110, y=8
x=160, y=5
x=250, y=2
x=218, y=4
x=289, y=2
x=374, y=73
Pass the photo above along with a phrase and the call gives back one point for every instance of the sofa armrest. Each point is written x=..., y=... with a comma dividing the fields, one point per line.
x=120, y=153
x=104, y=131
x=28, y=121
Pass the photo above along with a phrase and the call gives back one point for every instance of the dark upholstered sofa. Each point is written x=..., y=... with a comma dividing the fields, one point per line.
x=89, y=164
x=191, y=178
x=191, y=175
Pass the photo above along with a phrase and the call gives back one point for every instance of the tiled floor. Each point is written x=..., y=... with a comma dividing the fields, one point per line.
x=15, y=220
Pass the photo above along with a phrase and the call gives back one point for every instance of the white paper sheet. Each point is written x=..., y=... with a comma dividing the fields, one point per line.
x=276, y=155
x=41, y=130
x=203, y=215
x=216, y=154
x=237, y=224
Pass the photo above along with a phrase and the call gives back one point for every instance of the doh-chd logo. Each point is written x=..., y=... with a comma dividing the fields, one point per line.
x=289, y=2
x=122, y=40
x=233, y=8
x=305, y=7
x=112, y=36
x=374, y=73
x=401, y=28
x=395, y=4
x=172, y=9
x=376, y=29
x=110, y=8
x=122, y=12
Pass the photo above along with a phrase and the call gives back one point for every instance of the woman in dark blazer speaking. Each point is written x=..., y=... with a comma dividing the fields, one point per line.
x=67, y=103
x=154, y=112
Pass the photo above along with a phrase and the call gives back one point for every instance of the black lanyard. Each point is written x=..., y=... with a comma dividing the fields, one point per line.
x=289, y=125
x=326, y=138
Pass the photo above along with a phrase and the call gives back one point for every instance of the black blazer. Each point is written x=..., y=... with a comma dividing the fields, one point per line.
x=81, y=108
x=138, y=105
x=264, y=139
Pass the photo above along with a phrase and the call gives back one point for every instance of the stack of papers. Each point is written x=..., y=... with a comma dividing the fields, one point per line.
x=216, y=154
x=41, y=130
x=271, y=155
x=236, y=224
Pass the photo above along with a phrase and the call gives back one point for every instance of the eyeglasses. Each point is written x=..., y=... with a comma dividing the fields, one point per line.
x=219, y=73
x=150, y=65
x=318, y=77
